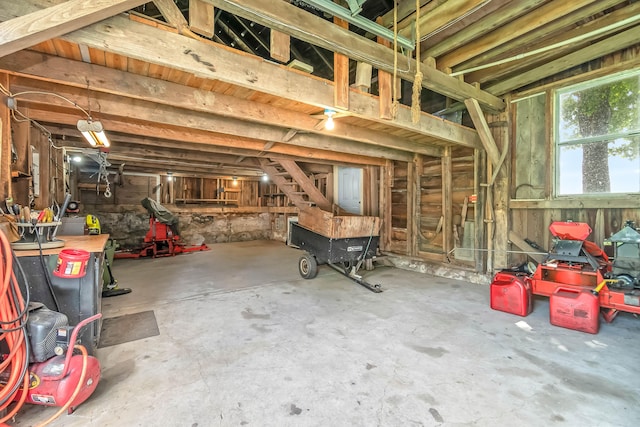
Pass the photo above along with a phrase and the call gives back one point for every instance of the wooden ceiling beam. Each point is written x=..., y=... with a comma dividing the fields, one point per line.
x=315, y=30
x=524, y=42
x=66, y=72
x=442, y=15
x=529, y=22
x=480, y=27
x=166, y=115
x=143, y=141
x=38, y=25
x=596, y=50
x=610, y=19
x=45, y=113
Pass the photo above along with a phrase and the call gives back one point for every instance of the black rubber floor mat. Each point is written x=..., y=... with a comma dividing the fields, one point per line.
x=130, y=327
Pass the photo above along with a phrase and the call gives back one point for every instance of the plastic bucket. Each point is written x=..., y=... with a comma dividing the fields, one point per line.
x=72, y=263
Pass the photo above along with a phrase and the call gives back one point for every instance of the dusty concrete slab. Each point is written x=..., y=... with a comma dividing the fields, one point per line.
x=245, y=341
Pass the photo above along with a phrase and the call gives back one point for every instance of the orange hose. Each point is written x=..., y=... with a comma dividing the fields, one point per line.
x=16, y=363
x=83, y=374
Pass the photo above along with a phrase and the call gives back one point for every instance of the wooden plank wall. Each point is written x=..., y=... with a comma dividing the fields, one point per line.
x=532, y=207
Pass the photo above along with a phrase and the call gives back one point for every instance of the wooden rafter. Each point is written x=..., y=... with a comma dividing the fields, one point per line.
x=29, y=29
x=305, y=26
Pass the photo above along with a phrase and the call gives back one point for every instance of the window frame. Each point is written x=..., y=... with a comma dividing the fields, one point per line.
x=557, y=93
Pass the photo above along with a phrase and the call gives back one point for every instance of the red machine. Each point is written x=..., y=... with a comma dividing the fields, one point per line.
x=581, y=280
x=66, y=378
x=162, y=238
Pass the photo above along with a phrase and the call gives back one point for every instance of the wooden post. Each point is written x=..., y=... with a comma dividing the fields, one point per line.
x=385, y=92
x=5, y=141
x=415, y=229
x=386, y=182
x=363, y=77
x=411, y=191
x=447, y=203
x=280, y=47
x=201, y=17
x=341, y=74
x=479, y=160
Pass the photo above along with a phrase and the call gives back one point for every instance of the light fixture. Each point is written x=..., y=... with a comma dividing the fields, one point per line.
x=265, y=177
x=76, y=159
x=329, y=125
x=235, y=180
x=93, y=131
x=170, y=176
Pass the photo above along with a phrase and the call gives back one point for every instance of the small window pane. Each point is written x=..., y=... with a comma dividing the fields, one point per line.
x=605, y=109
x=603, y=167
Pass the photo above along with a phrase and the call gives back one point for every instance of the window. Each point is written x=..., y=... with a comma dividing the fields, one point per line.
x=598, y=136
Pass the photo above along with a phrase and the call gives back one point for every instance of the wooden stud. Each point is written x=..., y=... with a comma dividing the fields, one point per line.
x=447, y=203
x=341, y=74
x=363, y=77
x=280, y=46
x=201, y=16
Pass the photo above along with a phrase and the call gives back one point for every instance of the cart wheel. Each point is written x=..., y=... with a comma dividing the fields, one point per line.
x=308, y=266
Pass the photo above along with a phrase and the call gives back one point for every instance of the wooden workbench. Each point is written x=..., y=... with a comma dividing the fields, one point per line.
x=90, y=243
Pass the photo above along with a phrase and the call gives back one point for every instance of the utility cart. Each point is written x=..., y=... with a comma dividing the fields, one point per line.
x=345, y=243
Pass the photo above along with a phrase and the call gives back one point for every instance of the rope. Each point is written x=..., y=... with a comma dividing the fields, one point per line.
x=395, y=104
x=416, y=107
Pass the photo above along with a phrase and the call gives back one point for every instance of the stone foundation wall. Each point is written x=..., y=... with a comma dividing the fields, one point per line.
x=130, y=227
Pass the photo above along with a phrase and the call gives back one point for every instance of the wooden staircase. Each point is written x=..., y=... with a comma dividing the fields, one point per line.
x=295, y=184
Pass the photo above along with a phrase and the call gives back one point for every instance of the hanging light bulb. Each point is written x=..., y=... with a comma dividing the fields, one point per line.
x=329, y=125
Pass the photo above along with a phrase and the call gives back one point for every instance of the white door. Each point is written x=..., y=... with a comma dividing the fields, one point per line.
x=350, y=189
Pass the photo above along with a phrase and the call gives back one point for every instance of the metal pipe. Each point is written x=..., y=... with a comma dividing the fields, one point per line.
x=364, y=23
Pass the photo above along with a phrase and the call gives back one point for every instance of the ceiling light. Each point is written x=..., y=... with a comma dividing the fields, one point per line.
x=329, y=125
x=265, y=177
x=93, y=131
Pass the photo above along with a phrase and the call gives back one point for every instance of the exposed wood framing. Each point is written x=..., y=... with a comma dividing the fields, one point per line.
x=611, y=44
x=172, y=14
x=447, y=204
x=385, y=90
x=182, y=134
x=363, y=77
x=415, y=223
x=386, y=182
x=306, y=184
x=305, y=26
x=341, y=74
x=58, y=70
x=280, y=46
x=167, y=115
x=559, y=23
x=411, y=201
x=133, y=39
x=36, y=26
x=440, y=16
x=536, y=18
x=201, y=17
x=483, y=130
x=523, y=245
x=489, y=23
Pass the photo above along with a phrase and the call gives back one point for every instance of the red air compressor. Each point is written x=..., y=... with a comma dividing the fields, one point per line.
x=66, y=378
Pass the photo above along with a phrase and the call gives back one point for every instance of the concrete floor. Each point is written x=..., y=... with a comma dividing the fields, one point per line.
x=245, y=341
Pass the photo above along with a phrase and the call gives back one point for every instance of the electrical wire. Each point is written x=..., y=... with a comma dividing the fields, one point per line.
x=13, y=318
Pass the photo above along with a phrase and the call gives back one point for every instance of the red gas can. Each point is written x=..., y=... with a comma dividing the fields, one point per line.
x=511, y=292
x=575, y=309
